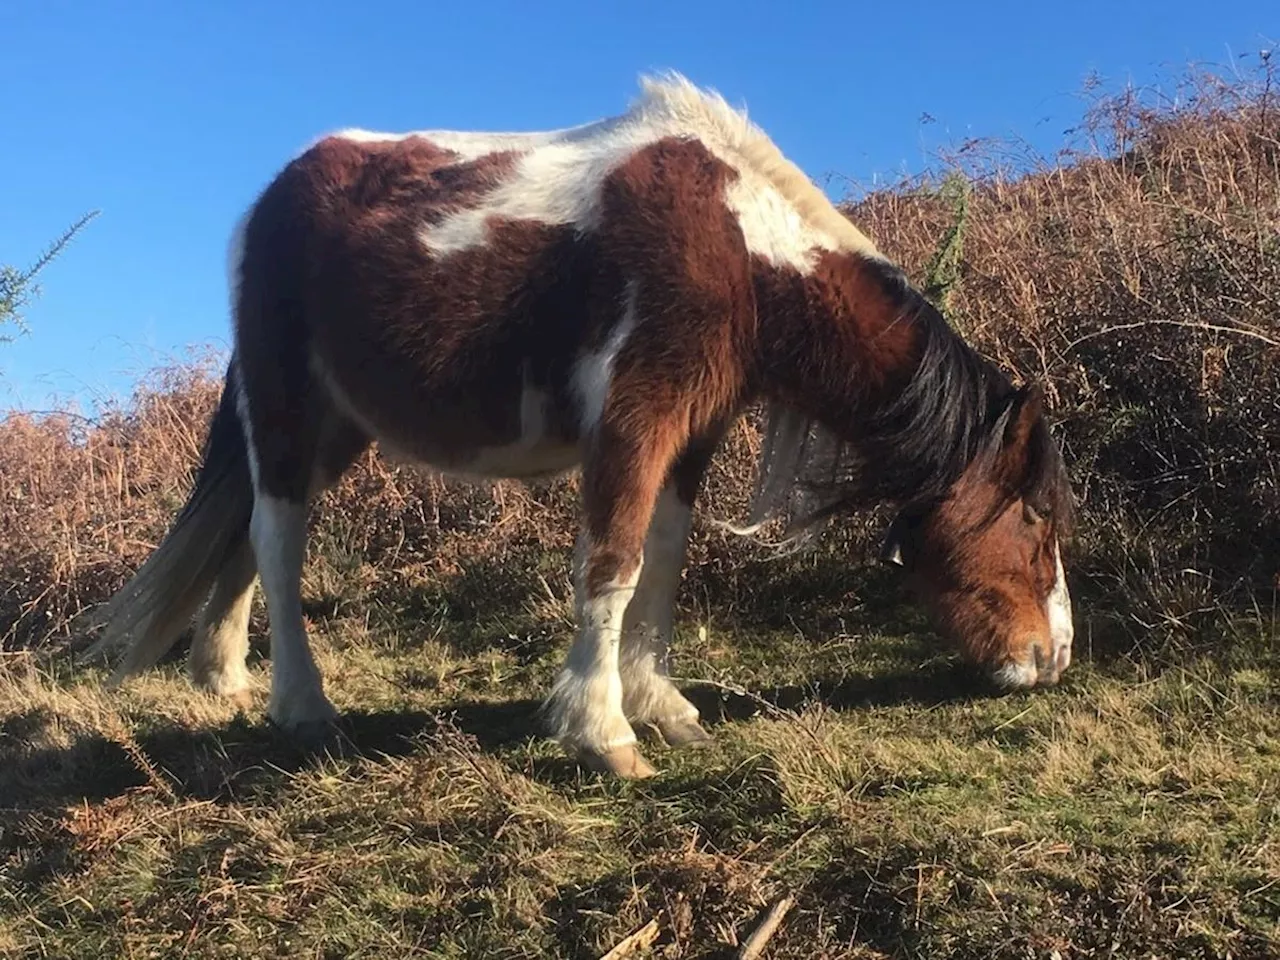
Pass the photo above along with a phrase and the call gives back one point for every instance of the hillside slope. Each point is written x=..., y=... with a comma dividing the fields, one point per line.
x=1130, y=812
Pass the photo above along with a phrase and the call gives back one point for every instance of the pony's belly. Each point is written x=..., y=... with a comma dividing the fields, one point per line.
x=532, y=455
x=522, y=460
x=528, y=458
x=526, y=438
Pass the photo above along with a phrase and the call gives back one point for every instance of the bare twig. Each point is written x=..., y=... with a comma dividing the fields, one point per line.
x=1204, y=327
x=755, y=943
x=637, y=940
x=739, y=691
x=114, y=729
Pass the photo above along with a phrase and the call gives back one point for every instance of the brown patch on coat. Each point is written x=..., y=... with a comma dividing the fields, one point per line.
x=336, y=274
x=832, y=341
x=682, y=372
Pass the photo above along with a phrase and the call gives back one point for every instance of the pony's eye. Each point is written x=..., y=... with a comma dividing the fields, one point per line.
x=1029, y=514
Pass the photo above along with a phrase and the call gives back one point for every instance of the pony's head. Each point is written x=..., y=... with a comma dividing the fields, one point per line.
x=986, y=557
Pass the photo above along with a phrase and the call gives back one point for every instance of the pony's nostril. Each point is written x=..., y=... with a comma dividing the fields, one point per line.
x=1047, y=665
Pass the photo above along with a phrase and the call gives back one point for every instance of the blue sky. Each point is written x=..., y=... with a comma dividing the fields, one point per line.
x=169, y=117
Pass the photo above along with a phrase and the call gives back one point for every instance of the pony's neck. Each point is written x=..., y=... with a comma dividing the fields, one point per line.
x=854, y=348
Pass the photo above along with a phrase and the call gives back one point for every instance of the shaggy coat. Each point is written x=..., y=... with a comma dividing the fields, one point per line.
x=609, y=296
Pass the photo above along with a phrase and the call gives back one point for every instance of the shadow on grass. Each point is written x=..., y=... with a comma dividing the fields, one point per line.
x=836, y=587
x=246, y=757
x=850, y=692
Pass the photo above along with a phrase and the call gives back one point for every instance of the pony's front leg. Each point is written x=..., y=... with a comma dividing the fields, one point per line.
x=585, y=705
x=649, y=698
x=620, y=485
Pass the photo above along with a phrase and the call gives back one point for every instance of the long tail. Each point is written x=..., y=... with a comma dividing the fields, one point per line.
x=148, y=615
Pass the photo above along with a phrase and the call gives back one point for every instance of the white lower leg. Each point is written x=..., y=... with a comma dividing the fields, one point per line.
x=648, y=695
x=585, y=705
x=221, y=641
x=278, y=531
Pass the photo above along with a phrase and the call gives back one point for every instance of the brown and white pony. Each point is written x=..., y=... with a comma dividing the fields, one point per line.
x=610, y=296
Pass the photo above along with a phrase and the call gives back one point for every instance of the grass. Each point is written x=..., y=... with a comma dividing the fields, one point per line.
x=858, y=768
x=907, y=811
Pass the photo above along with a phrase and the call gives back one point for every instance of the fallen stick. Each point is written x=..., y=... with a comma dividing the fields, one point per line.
x=634, y=941
x=755, y=943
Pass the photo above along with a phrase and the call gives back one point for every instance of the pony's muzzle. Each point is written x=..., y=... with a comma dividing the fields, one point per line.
x=1042, y=665
x=1047, y=671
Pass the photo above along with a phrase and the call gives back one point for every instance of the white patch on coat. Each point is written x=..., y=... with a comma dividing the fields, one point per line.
x=235, y=271
x=468, y=145
x=1019, y=675
x=278, y=532
x=220, y=641
x=647, y=692
x=1016, y=675
x=593, y=371
x=535, y=453
x=246, y=421
x=785, y=218
x=235, y=259
x=664, y=555
x=1061, y=622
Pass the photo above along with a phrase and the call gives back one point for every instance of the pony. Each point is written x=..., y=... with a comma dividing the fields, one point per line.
x=607, y=298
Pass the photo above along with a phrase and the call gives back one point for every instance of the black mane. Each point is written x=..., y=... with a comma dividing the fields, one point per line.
x=909, y=452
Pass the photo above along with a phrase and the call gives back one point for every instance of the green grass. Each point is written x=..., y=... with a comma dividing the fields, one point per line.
x=1131, y=812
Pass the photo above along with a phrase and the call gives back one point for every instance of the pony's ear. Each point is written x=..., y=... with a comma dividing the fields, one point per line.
x=1023, y=416
x=1025, y=412
x=891, y=553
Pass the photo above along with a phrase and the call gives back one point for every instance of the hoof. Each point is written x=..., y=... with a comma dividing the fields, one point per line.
x=684, y=733
x=242, y=700
x=313, y=729
x=315, y=736
x=648, y=732
x=625, y=762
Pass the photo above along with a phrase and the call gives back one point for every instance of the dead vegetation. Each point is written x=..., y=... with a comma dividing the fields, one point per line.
x=858, y=773
x=1138, y=276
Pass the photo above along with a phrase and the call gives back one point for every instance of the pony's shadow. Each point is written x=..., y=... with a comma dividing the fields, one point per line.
x=954, y=683
x=247, y=758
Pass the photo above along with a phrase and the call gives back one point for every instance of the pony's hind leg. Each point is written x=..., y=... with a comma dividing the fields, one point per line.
x=278, y=531
x=648, y=695
x=283, y=413
x=220, y=644
x=221, y=640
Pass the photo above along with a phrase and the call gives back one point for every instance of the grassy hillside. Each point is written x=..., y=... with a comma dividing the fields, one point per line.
x=858, y=768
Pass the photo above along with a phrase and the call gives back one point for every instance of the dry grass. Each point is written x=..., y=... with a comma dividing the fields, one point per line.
x=1138, y=276
x=1130, y=813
